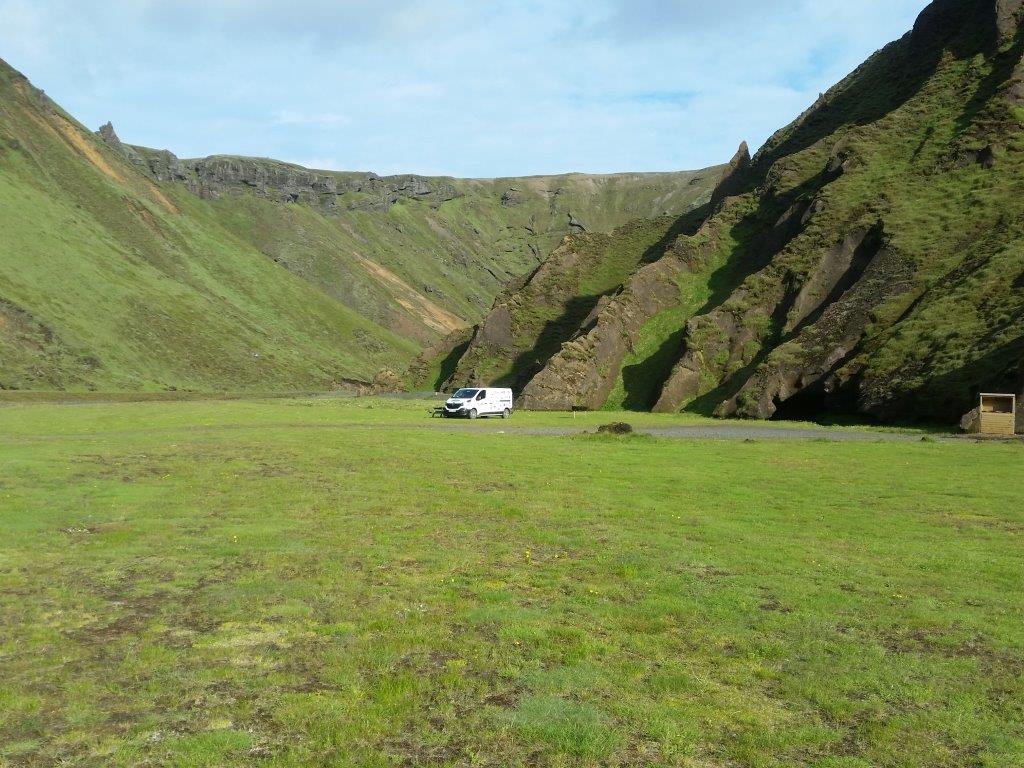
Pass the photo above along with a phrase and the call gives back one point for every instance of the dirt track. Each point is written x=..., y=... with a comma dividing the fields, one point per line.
x=704, y=432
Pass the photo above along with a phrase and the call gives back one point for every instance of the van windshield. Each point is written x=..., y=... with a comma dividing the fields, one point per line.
x=465, y=393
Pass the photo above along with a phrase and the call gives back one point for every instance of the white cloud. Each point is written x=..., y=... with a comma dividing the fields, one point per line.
x=22, y=33
x=317, y=163
x=291, y=117
x=453, y=86
x=646, y=19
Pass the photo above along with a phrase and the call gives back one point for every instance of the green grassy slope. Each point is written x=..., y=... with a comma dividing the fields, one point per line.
x=107, y=281
x=307, y=583
x=457, y=254
x=113, y=277
x=421, y=255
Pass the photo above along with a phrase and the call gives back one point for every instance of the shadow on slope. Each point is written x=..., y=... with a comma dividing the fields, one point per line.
x=569, y=324
x=450, y=364
x=759, y=235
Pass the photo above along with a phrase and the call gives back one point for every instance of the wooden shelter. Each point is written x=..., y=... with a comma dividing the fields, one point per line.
x=997, y=414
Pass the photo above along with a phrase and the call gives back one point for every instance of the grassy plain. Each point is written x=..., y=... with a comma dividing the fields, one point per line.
x=310, y=582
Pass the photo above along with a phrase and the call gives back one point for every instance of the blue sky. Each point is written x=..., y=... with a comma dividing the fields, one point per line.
x=457, y=87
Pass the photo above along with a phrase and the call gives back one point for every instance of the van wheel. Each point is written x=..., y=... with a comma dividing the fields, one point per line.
x=506, y=413
x=473, y=414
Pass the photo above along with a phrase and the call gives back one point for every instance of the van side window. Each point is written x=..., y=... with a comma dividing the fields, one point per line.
x=482, y=394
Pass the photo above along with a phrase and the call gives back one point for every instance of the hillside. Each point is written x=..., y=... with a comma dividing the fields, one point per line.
x=869, y=259
x=419, y=255
x=533, y=317
x=126, y=268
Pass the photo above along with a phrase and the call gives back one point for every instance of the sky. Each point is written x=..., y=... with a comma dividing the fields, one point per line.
x=469, y=88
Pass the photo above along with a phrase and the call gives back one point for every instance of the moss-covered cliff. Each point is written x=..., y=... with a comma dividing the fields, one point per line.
x=869, y=259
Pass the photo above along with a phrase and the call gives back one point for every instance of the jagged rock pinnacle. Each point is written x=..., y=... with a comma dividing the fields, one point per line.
x=733, y=179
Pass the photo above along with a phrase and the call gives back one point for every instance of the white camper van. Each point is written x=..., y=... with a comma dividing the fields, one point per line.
x=473, y=402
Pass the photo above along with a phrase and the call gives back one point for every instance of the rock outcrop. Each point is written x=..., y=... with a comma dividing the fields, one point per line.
x=327, y=191
x=511, y=197
x=765, y=310
x=734, y=177
x=581, y=375
x=106, y=132
x=586, y=368
x=811, y=363
x=1008, y=18
x=566, y=303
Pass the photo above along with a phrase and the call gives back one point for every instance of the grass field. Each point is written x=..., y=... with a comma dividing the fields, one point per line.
x=313, y=582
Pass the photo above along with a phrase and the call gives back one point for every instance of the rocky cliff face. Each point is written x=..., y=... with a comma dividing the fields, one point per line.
x=328, y=192
x=869, y=258
x=539, y=320
x=581, y=374
x=881, y=303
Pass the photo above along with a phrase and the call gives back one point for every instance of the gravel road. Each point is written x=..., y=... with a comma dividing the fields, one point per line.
x=702, y=432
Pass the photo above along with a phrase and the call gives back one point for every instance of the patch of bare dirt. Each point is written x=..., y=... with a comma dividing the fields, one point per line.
x=433, y=316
